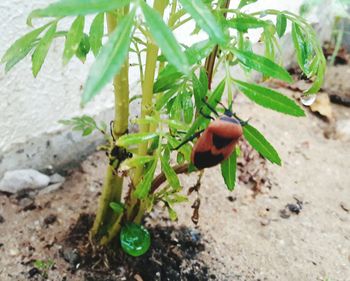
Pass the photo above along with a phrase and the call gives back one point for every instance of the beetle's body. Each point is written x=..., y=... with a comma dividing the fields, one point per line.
x=217, y=142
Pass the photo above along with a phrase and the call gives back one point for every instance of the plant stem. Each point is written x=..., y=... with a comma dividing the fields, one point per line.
x=113, y=184
x=147, y=89
x=112, y=232
x=210, y=61
x=161, y=178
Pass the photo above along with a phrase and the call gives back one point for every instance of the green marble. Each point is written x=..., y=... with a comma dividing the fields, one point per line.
x=135, y=239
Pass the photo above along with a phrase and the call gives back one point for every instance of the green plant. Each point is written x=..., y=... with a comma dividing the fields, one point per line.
x=174, y=83
x=339, y=12
x=44, y=267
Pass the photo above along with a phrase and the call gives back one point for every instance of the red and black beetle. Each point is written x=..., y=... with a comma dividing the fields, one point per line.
x=217, y=141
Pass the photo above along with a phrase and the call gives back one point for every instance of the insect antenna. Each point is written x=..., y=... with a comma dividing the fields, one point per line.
x=195, y=135
x=228, y=111
x=205, y=115
x=243, y=123
x=212, y=109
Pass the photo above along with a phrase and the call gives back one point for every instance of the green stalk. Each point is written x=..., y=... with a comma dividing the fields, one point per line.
x=113, y=184
x=147, y=89
x=146, y=103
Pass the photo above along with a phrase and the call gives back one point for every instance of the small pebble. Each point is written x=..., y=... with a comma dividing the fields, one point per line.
x=57, y=178
x=265, y=222
x=294, y=208
x=72, y=256
x=50, y=219
x=27, y=204
x=2, y=220
x=32, y=272
x=14, y=252
x=284, y=214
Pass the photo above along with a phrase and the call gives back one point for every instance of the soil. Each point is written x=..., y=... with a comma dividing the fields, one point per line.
x=280, y=223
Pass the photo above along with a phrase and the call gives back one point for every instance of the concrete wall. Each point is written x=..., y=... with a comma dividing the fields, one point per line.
x=30, y=135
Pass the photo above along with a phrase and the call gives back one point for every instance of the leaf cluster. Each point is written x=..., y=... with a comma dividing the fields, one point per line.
x=182, y=82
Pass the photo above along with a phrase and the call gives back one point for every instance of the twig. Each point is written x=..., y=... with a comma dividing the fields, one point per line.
x=160, y=179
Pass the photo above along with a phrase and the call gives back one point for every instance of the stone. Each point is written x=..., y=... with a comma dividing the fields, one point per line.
x=51, y=188
x=18, y=180
x=57, y=178
x=342, y=129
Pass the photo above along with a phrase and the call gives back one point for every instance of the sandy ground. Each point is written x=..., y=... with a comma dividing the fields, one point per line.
x=246, y=237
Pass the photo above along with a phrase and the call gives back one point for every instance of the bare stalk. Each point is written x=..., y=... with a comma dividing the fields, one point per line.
x=147, y=102
x=113, y=184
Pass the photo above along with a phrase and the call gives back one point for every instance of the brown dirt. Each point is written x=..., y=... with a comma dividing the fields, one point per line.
x=280, y=223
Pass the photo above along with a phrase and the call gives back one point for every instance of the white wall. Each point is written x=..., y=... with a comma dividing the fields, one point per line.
x=30, y=108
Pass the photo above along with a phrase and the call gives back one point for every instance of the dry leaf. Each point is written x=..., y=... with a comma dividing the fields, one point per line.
x=322, y=105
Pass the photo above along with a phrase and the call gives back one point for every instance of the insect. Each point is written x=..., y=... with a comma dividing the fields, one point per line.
x=218, y=140
x=117, y=154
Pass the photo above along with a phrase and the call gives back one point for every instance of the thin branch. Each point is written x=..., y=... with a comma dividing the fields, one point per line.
x=210, y=61
x=160, y=179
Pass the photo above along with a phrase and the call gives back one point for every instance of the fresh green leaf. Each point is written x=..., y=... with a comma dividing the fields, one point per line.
x=176, y=108
x=110, y=59
x=269, y=98
x=262, y=65
x=242, y=24
x=260, y=144
x=43, y=265
x=172, y=213
x=269, y=46
x=167, y=78
x=228, y=170
x=200, y=88
x=187, y=107
x=245, y=3
x=164, y=98
x=165, y=39
x=316, y=86
x=117, y=207
x=199, y=50
x=74, y=36
x=180, y=158
x=144, y=186
x=303, y=48
x=13, y=61
x=170, y=174
x=205, y=19
x=85, y=123
x=42, y=49
x=138, y=160
x=176, y=198
x=96, y=33
x=88, y=131
x=22, y=46
x=131, y=139
x=281, y=25
x=203, y=78
x=77, y=8
x=84, y=48
x=213, y=100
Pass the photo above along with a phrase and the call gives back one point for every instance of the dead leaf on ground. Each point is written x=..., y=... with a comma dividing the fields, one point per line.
x=322, y=105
